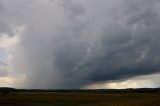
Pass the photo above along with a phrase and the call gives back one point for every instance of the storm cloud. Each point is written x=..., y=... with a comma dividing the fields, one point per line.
x=73, y=43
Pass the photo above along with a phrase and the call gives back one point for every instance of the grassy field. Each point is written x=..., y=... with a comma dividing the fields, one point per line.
x=80, y=99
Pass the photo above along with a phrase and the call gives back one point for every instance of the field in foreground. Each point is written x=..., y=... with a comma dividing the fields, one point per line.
x=80, y=99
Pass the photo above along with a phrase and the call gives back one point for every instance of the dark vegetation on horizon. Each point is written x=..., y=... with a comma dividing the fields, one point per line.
x=6, y=90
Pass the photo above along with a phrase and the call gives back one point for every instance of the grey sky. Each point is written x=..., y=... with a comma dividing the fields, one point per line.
x=73, y=43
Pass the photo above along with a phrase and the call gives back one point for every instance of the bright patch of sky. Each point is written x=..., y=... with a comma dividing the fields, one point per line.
x=3, y=55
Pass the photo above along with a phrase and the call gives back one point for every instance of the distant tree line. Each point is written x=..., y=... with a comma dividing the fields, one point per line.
x=5, y=90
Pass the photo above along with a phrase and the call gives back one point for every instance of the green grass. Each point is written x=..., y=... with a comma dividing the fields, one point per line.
x=80, y=99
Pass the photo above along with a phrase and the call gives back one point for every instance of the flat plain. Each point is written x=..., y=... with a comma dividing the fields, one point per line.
x=79, y=99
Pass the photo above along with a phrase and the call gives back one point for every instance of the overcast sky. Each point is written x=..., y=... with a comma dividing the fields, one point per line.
x=79, y=43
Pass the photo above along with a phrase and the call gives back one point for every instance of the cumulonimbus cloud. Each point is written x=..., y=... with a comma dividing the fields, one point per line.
x=71, y=43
